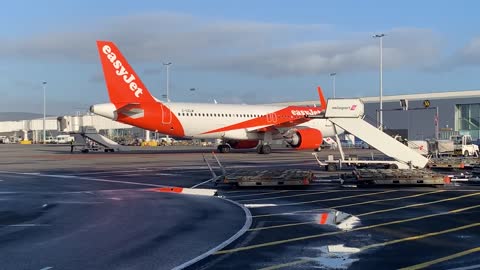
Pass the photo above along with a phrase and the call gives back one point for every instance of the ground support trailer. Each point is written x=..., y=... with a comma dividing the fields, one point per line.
x=395, y=177
x=250, y=178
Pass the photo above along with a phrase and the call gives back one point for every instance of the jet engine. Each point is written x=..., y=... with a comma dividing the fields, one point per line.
x=309, y=138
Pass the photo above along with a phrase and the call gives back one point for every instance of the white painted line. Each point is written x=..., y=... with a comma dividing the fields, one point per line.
x=167, y=174
x=467, y=267
x=46, y=268
x=78, y=202
x=257, y=193
x=342, y=249
x=246, y=226
x=258, y=205
x=87, y=179
x=112, y=172
x=128, y=175
x=27, y=225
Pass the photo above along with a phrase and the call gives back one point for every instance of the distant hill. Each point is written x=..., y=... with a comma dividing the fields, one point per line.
x=15, y=116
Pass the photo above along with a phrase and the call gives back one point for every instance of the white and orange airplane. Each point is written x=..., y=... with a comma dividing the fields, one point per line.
x=238, y=126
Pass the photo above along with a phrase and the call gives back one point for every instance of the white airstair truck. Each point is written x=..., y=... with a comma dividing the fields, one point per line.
x=348, y=114
x=86, y=136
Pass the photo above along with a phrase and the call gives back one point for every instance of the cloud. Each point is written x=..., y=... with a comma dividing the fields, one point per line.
x=468, y=55
x=265, y=49
x=346, y=55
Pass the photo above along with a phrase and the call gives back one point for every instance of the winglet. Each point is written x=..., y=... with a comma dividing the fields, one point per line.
x=323, y=103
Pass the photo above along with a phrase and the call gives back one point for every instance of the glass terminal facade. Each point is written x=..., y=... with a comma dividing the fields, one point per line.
x=467, y=119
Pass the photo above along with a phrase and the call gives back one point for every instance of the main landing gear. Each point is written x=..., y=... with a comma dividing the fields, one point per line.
x=224, y=148
x=264, y=149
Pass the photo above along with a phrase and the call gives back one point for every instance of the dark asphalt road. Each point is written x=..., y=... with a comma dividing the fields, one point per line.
x=100, y=215
x=78, y=224
x=393, y=230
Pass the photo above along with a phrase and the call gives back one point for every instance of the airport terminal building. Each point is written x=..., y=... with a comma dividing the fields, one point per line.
x=459, y=112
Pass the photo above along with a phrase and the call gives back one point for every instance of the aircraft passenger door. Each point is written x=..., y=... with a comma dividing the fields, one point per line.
x=271, y=118
x=166, y=115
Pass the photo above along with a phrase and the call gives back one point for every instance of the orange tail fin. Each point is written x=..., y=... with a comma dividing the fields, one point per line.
x=134, y=104
x=323, y=103
x=123, y=84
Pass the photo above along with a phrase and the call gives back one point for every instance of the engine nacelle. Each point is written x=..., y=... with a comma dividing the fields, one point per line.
x=309, y=138
x=243, y=144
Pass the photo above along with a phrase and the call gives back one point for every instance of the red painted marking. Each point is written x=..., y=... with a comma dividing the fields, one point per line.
x=168, y=189
x=446, y=180
x=306, y=181
x=323, y=218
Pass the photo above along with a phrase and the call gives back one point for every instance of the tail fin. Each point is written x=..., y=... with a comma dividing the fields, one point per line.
x=323, y=103
x=134, y=105
x=123, y=84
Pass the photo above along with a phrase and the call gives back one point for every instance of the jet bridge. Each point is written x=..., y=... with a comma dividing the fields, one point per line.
x=348, y=114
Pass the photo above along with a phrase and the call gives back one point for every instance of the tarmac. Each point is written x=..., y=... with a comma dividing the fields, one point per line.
x=100, y=211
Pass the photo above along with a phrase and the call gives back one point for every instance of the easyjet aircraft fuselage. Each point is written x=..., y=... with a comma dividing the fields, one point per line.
x=232, y=121
x=239, y=126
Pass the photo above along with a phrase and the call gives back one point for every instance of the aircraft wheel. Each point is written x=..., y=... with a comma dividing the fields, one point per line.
x=266, y=149
x=465, y=154
x=226, y=149
x=393, y=166
x=331, y=167
x=260, y=149
x=223, y=148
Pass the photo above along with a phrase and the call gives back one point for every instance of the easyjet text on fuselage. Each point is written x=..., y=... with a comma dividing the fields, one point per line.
x=305, y=112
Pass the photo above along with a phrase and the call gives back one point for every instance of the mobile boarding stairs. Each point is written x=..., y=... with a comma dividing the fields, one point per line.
x=348, y=114
x=86, y=136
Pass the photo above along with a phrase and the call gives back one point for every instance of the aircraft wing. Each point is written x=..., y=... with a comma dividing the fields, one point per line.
x=279, y=125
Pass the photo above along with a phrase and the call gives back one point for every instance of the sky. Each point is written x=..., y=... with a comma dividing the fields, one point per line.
x=236, y=51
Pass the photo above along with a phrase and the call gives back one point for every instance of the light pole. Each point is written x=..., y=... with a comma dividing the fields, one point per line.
x=168, y=79
x=333, y=76
x=44, y=83
x=380, y=36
